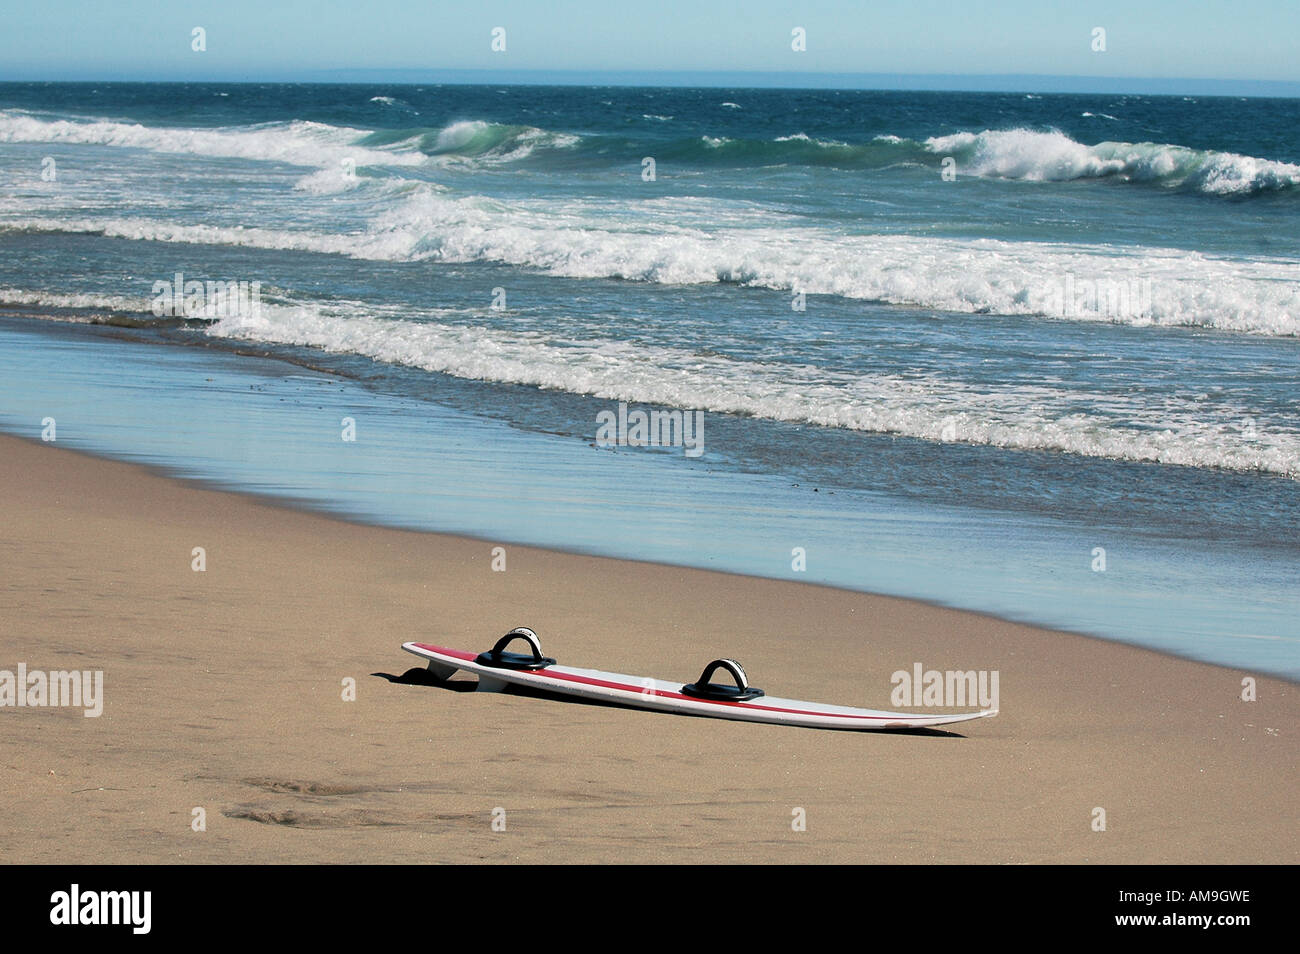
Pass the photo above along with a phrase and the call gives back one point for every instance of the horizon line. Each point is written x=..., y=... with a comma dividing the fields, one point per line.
x=757, y=79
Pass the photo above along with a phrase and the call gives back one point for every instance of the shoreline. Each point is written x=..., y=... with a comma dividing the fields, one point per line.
x=222, y=692
x=308, y=507
x=266, y=427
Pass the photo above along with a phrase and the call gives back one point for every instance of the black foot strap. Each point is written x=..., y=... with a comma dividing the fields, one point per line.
x=703, y=689
x=498, y=658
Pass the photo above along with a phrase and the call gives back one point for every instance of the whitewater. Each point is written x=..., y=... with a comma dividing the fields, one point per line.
x=951, y=344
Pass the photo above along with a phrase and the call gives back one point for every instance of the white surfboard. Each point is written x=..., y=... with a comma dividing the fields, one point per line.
x=497, y=669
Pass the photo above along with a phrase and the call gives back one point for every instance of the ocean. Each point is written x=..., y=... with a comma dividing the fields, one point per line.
x=1034, y=355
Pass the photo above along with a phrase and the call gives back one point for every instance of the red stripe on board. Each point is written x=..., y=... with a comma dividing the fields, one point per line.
x=470, y=657
x=589, y=681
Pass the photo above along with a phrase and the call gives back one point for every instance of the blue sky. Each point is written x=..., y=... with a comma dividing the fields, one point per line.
x=295, y=39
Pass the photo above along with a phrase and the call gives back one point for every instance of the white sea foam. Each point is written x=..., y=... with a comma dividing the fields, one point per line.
x=1055, y=157
x=330, y=180
x=1138, y=427
x=298, y=143
x=1188, y=289
x=88, y=300
x=1010, y=154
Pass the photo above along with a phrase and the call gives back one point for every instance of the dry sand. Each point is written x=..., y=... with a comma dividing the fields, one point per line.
x=224, y=691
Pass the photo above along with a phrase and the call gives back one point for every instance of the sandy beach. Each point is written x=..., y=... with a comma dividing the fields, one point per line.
x=224, y=691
